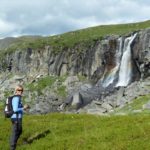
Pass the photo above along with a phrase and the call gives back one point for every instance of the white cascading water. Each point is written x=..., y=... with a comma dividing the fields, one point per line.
x=125, y=70
x=112, y=73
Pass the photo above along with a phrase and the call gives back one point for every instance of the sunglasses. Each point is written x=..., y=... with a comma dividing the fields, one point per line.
x=20, y=90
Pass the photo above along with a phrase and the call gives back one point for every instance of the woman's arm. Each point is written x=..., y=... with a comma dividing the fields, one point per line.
x=15, y=105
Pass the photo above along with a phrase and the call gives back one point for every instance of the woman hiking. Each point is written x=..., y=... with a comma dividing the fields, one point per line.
x=16, y=118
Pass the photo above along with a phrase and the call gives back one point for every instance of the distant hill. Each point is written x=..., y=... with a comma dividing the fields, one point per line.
x=70, y=39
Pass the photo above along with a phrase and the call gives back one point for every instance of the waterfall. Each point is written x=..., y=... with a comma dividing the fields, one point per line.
x=110, y=78
x=112, y=73
x=125, y=70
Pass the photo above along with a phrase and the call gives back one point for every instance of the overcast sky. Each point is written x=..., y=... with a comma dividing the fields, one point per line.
x=49, y=17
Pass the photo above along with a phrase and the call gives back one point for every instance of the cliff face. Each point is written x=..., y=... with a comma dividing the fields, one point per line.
x=101, y=62
x=91, y=61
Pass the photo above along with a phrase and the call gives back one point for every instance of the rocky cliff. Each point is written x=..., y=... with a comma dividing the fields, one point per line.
x=101, y=63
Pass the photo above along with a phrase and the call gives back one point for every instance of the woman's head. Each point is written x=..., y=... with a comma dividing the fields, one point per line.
x=19, y=90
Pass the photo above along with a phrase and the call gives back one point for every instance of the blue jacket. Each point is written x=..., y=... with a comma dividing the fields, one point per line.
x=17, y=107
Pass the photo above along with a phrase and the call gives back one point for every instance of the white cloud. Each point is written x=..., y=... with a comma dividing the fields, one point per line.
x=6, y=28
x=45, y=17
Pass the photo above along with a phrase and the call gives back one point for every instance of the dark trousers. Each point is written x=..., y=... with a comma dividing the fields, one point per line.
x=16, y=132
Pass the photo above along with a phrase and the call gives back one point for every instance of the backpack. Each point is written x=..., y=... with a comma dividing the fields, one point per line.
x=8, y=111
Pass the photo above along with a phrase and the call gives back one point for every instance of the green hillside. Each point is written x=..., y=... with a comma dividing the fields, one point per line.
x=80, y=132
x=98, y=32
x=83, y=37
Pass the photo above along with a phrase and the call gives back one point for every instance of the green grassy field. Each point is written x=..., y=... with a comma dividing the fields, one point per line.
x=80, y=132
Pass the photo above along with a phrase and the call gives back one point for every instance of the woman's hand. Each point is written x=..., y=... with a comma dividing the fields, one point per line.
x=26, y=106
